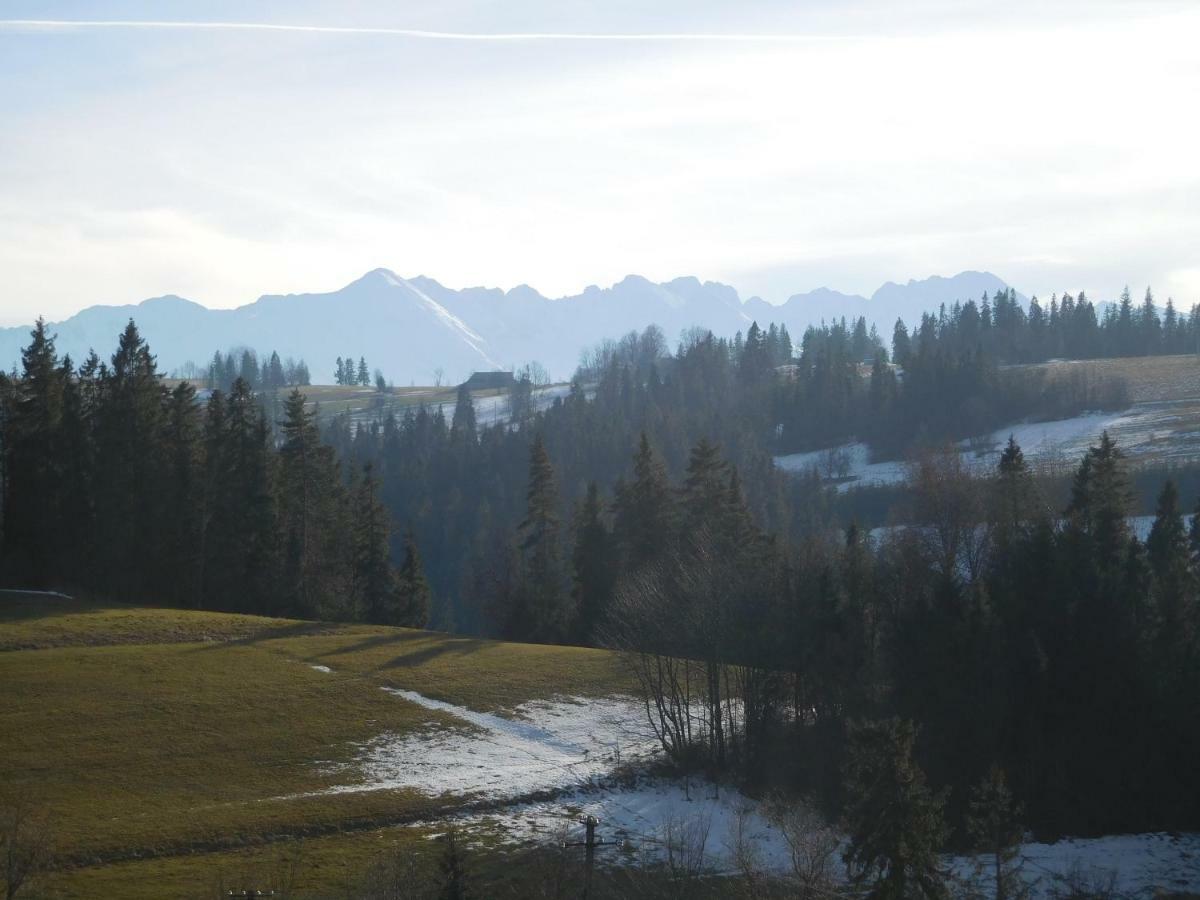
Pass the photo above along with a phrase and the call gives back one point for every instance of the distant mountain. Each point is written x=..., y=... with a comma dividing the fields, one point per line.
x=410, y=327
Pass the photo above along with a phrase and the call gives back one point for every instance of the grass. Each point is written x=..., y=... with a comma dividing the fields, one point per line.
x=165, y=733
x=1150, y=378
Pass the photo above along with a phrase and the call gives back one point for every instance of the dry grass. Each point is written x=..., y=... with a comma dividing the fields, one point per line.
x=163, y=733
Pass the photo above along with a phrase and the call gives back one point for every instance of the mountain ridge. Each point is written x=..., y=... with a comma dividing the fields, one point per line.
x=411, y=327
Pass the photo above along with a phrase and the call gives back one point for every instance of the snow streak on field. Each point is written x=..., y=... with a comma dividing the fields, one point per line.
x=588, y=753
x=1158, y=431
x=544, y=746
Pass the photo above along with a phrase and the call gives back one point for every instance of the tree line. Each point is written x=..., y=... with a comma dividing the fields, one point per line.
x=945, y=390
x=114, y=484
x=271, y=375
x=1068, y=327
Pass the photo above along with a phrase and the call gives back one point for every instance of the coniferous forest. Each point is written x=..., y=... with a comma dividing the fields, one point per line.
x=642, y=511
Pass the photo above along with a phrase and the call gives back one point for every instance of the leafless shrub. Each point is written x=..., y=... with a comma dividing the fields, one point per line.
x=745, y=853
x=1085, y=884
x=394, y=876
x=685, y=841
x=26, y=840
x=812, y=846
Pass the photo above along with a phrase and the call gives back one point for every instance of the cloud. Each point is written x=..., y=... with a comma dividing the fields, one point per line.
x=717, y=37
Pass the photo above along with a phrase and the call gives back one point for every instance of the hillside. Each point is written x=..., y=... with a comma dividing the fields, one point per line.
x=174, y=732
x=197, y=752
x=410, y=327
x=1157, y=427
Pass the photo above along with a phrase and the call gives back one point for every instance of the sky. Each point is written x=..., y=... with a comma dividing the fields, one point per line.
x=777, y=147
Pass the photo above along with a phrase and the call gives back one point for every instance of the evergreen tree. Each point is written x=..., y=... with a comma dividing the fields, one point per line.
x=994, y=829
x=32, y=501
x=703, y=493
x=894, y=822
x=375, y=584
x=594, y=566
x=542, y=609
x=644, y=508
x=130, y=468
x=364, y=374
x=464, y=427
x=413, y=590
x=308, y=508
x=181, y=563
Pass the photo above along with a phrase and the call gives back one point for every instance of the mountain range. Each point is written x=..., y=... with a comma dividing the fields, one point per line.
x=410, y=327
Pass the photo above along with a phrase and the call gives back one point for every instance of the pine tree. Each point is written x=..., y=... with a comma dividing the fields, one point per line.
x=994, y=829
x=275, y=378
x=364, y=374
x=542, y=610
x=181, y=564
x=463, y=428
x=339, y=372
x=308, y=510
x=594, y=566
x=893, y=820
x=414, y=595
x=374, y=579
x=645, y=509
x=703, y=493
x=32, y=500
x=130, y=468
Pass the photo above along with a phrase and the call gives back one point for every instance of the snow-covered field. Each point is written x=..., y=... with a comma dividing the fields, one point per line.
x=590, y=756
x=1160, y=431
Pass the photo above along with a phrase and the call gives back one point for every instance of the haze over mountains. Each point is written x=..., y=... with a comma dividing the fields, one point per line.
x=410, y=327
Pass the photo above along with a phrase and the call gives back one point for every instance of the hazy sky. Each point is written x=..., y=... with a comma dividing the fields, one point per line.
x=1054, y=144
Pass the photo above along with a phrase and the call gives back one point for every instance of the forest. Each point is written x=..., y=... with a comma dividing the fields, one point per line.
x=642, y=511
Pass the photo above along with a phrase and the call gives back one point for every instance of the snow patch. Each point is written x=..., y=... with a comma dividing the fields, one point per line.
x=545, y=745
x=324, y=669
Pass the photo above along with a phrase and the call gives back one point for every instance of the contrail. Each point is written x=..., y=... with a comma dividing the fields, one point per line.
x=420, y=34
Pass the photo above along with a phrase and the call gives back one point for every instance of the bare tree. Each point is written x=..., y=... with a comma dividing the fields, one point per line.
x=745, y=853
x=685, y=840
x=951, y=511
x=812, y=846
x=26, y=840
x=438, y=374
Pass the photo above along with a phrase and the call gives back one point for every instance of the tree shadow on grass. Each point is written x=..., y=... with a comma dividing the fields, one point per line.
x=273, y=633
x=450, y=646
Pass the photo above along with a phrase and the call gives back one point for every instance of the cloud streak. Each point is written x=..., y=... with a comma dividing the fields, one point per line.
x=418, y=34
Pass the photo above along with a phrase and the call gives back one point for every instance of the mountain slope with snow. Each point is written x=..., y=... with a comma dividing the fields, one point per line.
x=411, y=327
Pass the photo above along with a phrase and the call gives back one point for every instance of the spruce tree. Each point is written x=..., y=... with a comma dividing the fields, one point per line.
x=894, y=822
x=542, y=610
x=374, y=579
x=414, y=595
x=307, y=501
x=644, y=509
x=32, y=500
x=703, y=493
x=994, y=829
x=364, y=374
x=463, y=428
x=594, y=566
x=181, y=564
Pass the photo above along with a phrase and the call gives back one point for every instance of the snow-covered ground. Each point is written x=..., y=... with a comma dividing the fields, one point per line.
x=1155, y=430
x=543, y=746
x=591, y=755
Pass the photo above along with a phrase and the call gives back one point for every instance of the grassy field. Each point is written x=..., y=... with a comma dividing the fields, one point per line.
x=1151, y=379
x=171, y=745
